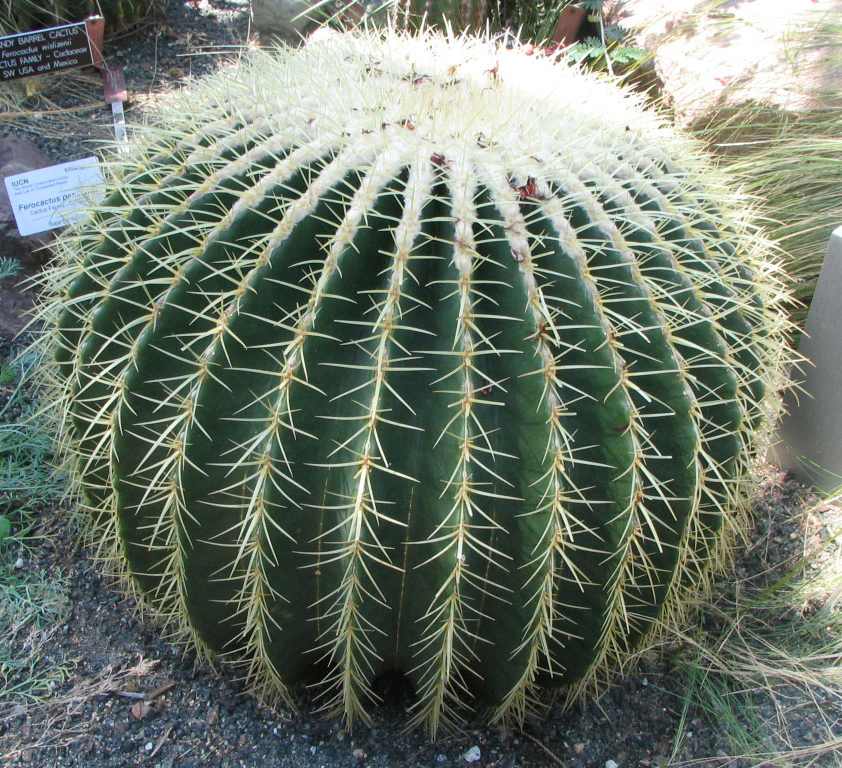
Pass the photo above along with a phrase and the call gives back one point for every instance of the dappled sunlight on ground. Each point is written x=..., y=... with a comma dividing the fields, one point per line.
x=742, y=50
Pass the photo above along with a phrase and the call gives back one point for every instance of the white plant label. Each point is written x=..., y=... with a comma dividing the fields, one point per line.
x=55, y=196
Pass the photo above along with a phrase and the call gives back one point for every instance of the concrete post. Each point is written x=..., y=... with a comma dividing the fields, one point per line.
x=810, y=435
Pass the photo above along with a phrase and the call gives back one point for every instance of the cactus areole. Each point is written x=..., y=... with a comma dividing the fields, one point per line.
x=411, y=354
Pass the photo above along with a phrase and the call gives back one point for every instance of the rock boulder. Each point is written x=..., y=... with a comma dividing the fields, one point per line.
x=279, y=19
x=16, y=156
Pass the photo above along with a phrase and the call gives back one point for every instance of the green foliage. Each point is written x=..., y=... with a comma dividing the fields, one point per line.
x=33, y=601
x=534, y=21
x=606, y=48
x=27, y=482
x=455, y=363
x=460, y=14
x=8, y=267
x=596, y=52
x=22, y=15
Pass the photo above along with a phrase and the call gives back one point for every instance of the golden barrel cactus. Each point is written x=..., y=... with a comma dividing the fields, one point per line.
x=407, y=353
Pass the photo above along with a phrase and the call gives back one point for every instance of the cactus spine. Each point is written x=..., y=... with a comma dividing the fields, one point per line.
x=408, y=353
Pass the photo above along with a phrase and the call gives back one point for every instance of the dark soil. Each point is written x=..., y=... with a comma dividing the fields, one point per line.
x=206, y=719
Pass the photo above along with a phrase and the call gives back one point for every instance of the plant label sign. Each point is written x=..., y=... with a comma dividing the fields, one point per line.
x=43, y=51
x=52, y=197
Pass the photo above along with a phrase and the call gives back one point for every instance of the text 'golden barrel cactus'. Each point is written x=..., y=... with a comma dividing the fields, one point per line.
x=401, y=353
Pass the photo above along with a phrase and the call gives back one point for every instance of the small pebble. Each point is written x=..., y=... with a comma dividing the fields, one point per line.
x=472, y=755
x=19, y=563
x=611, y=764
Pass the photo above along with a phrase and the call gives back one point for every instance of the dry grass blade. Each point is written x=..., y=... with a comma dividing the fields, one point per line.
x=788, y=158
x=57, y=717
x=767, y=667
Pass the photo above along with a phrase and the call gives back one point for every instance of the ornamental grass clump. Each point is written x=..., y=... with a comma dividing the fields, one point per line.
x=400, y=353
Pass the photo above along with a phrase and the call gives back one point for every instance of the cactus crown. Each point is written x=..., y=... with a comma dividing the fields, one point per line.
x=411, y=353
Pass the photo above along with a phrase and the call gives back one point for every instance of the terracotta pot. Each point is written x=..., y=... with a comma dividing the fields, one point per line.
x=569, y=23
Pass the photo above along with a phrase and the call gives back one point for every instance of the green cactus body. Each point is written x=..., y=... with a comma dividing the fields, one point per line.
x=401, y=353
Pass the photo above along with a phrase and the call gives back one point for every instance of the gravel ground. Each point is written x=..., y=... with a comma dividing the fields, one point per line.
x=202, y=718
x=206, y=719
